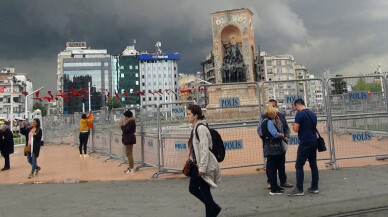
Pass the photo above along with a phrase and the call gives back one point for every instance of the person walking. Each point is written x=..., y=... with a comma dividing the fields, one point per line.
x=84, y=132
x=207, y=173
x=6, y=145
x=128, y=138
x=34, y=140
x=282, y=125
x=305, y=124
x=272, y=148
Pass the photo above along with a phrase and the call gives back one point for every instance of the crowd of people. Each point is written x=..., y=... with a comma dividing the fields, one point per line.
x=272, y=128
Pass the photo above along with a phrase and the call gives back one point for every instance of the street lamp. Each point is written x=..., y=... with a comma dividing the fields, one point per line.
x=25, y=101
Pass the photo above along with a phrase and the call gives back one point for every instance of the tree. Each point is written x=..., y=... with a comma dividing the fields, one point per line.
x=113, y=103
x=338, y=85
x=39, y=106
x=362, y=85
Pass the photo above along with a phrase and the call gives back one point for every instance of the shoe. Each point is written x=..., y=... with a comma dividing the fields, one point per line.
x=279, y=191
x=5, y=168
x=129, y=171
x=313, y=191
x=218, y=210
x=287, y=185
x=268, y=186
x=31, y=175
x=81, y=155
x=86, y=155
x=37, y=170
x=296, y=192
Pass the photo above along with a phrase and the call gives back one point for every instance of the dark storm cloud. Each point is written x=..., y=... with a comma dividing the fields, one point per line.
x=320, y=34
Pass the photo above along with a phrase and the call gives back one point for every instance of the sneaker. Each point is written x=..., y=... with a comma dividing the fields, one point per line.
x=296, y=192
x=313, y=191
x=81, y=155
x=37, y=170
x=287, y=185
x=5, y=168
x=86, y=155
x=31, y=175
x=128, y=171
x=279, y=191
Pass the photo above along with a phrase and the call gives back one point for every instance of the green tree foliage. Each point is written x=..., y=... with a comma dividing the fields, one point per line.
x=39, y=106
x=113, y=103
x=363, y=85
x=338, y=85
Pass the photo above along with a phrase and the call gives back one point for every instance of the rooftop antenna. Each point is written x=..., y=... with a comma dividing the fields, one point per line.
x=158, y=46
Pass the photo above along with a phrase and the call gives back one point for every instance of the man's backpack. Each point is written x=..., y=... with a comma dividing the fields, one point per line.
x=218, y=145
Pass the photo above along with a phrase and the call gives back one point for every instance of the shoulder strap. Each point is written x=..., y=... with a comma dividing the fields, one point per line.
x=312, y=122
x=196, y=130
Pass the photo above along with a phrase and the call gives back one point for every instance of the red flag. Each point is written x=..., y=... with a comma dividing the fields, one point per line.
x=37, y=94
x=126, y=94
x=2, y=89
x=47, y=98
x=149, y=91
x=174, y=93
x=159, y=92
x=24, y=93
x=108, y=96
x=117, y=95
x=142, y=93
x=49, y=92
x=103, y=89
x=166, y=90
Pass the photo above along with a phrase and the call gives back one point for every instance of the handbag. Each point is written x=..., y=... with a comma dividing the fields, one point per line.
x=27, y=149
x=321, y=142
x=187, y=167
x=284, y=146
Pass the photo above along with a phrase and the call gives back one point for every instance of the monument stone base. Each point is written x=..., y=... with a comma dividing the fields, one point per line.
x=234, y=102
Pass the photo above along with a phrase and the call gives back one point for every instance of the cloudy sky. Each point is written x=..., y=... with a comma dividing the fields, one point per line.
x=348, y=37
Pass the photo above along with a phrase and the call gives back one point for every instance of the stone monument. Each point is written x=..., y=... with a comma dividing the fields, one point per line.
x=235, y=96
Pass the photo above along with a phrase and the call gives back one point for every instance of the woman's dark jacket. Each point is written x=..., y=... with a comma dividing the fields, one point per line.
x=6, y=142
x=37, y=139
x=271, y=146
x=129, y=130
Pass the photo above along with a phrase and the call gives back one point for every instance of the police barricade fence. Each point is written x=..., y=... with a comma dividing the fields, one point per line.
x=357, y=117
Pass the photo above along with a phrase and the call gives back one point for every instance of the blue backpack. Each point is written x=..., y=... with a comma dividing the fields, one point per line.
x=218, y=148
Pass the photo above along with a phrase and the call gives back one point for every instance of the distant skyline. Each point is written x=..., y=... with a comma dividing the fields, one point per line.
x=345, y=36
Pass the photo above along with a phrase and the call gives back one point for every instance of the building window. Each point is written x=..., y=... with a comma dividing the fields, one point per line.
x=174, y=68
x=121, y=67
x=130, y=66
x=149, y=98
x=137, y=82
x=137, y=75
x=155, y=98
x=123, y=99
x=136, y=67
x=143, y=99
x=269, y=63
x=154, y=75
x=279, y=70
x=143, y=84
x=160, y=75
x=142, y=76
x=122, y=75
x=105, y=63
x=278, y=62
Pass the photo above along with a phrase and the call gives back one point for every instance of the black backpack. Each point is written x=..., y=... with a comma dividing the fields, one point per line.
x=218, y=145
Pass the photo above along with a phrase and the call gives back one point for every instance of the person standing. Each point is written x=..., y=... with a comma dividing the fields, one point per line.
x=7, y=145
x=34, y=140
x=128, y=138
x=272, y=148
x=208, y=173
x=305, y=124
x=282, y=125
x=84, y=133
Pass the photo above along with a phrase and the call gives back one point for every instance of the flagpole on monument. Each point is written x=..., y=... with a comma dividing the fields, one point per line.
x=25, y=101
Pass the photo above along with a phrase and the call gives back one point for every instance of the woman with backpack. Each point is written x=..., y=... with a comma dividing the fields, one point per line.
x=206, y=173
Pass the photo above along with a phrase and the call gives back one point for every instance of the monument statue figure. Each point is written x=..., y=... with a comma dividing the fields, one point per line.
x=233, y=68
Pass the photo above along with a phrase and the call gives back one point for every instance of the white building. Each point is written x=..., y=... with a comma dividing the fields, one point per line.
x=279, y=68
x=12, y=86
x=315, y=92
x=158, y=77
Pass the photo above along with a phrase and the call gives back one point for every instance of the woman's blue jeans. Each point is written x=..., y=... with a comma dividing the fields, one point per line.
x=33, y=161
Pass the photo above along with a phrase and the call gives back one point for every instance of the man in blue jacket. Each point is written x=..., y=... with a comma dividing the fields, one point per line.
x=282, y=124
